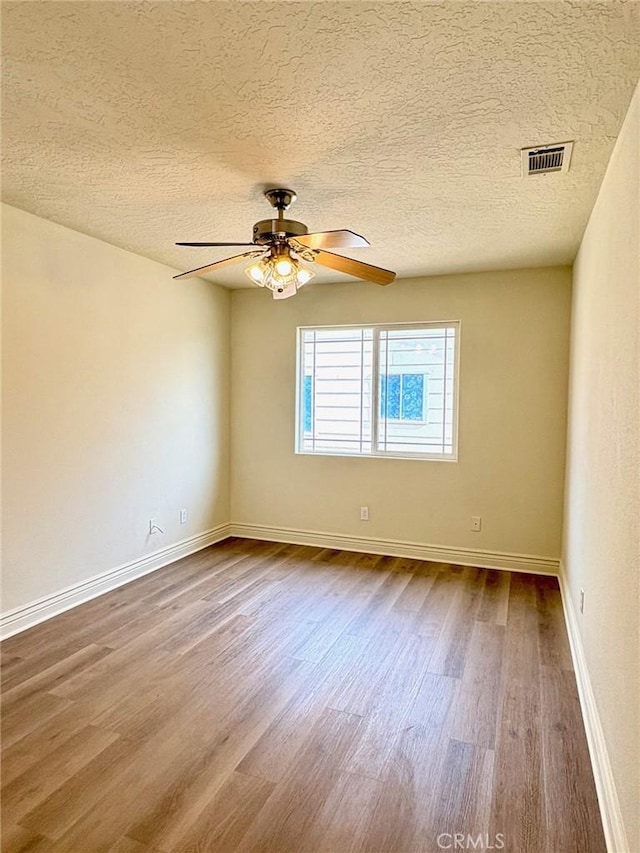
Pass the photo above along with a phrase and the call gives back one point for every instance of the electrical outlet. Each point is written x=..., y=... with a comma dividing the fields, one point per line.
x=581, y=601
x=364, y=513
x=476, y=523
x=183, y=516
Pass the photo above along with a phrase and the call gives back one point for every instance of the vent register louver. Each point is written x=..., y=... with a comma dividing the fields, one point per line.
x=546, y=158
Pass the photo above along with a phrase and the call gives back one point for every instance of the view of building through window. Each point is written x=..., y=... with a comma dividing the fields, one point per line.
x=378, y=390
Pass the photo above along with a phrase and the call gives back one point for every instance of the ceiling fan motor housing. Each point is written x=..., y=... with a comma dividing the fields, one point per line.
x=272, y=230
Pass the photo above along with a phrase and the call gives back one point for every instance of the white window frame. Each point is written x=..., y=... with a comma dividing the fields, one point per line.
x=375, y=397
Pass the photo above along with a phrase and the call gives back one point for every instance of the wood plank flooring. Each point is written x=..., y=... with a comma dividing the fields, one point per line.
x=258, y=697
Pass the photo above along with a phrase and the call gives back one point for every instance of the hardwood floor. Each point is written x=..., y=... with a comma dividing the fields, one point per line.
x=266, y=697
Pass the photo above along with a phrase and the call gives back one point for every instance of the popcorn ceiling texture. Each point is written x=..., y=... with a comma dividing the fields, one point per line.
x=146, y=123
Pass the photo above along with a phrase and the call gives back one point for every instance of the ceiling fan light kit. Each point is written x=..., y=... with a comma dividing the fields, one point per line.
x=280, y=244
x=280, y=271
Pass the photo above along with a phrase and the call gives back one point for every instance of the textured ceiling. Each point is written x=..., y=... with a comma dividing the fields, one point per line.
x=146, y=123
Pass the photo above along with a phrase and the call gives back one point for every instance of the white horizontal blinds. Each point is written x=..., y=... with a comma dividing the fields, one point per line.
x=336, y=377
x=416, y=367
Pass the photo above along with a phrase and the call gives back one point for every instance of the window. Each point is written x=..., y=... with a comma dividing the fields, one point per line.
x=378, y=390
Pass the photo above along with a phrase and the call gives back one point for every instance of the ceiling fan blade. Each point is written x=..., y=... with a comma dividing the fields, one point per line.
x=215, y=244
x=333, y=240
x=377, y=275
x=202, y=270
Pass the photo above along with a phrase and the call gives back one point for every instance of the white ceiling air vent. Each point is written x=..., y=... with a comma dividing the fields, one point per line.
x=546, y=158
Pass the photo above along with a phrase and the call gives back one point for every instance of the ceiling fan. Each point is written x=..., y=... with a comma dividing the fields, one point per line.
x=280, y=244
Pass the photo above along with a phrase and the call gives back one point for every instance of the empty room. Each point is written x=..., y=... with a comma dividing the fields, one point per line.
x=320, y=426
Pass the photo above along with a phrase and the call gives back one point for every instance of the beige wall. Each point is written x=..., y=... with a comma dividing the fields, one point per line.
x=514, y=361
x=601, y=551
x=115, y=391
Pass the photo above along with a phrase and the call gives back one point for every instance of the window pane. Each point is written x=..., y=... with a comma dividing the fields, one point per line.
x=390, y=396
x=337, y=371
x=416, y=365
x=308, y=384
x=412, y=396
x=402, y=396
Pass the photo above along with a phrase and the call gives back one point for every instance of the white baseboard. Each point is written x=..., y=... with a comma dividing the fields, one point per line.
x=394, y=548
x=44, y=608
x=612, y=822
x=51, y=605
